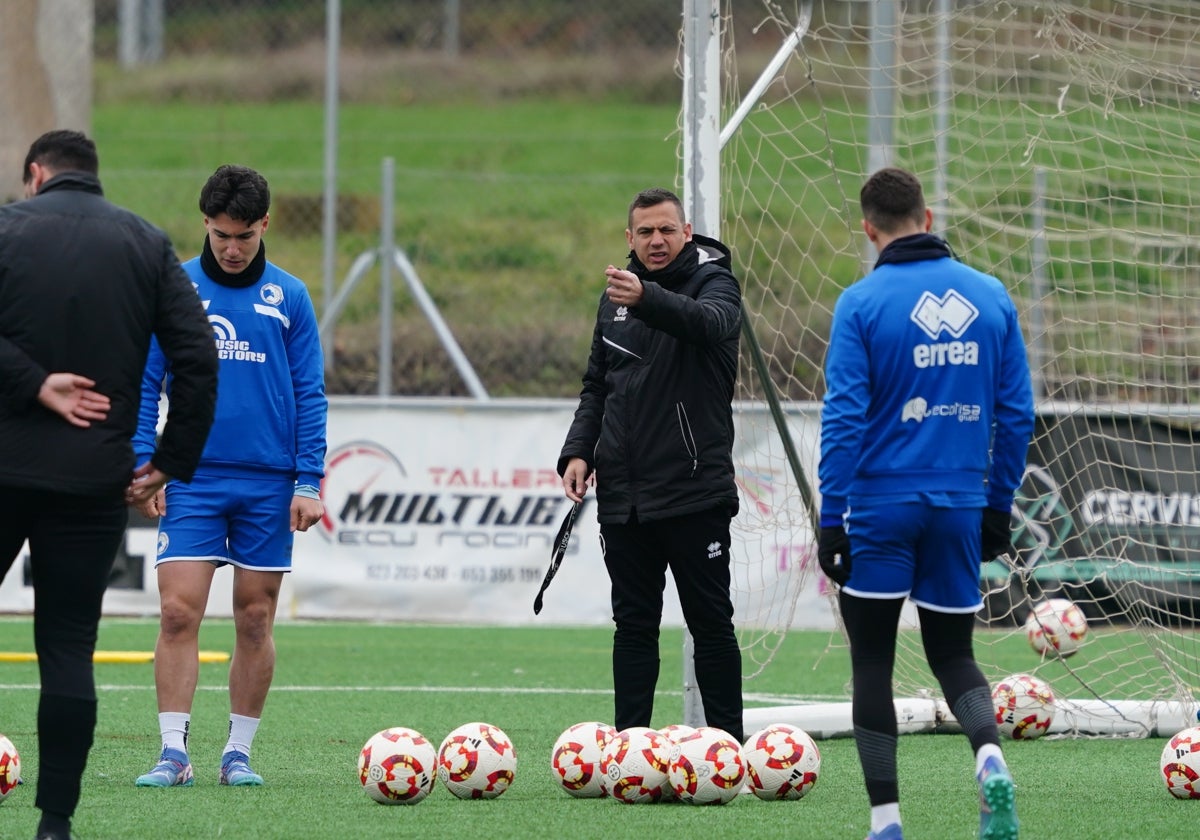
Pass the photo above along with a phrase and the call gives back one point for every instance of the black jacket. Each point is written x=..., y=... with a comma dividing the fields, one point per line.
x=83, y=285
x=655, y=418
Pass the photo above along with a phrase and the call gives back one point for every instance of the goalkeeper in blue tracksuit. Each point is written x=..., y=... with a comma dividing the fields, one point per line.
x=927, y=418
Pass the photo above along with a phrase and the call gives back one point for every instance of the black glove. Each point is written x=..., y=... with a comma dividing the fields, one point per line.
x=997, y=534
x=833, y=553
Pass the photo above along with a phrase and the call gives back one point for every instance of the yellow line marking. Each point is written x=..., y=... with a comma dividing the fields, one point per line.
x=116, y=656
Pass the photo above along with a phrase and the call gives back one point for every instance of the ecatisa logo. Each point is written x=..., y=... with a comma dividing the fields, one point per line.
x=918, y=409
x=372, y=500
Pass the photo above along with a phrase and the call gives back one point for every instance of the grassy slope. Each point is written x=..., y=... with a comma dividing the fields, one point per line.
x=509, y=212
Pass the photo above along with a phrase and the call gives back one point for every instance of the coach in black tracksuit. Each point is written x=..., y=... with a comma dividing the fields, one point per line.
x=83, y=286
x=654, y=428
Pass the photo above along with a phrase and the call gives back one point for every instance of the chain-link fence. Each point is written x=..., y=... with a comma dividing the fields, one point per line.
x=520, y=129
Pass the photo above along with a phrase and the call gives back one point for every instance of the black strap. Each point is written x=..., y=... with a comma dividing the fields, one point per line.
x=557, y=551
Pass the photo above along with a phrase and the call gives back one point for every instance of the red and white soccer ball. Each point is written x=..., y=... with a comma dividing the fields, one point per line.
x=1181, y=764
x=706, y=767
x=575, y=759
x=477, y=761
x=635, y=764
x=397, y=766
x=673, y=731
x=10, y=767
x=1056, y=625
x=782, y=762
x=1024, y=706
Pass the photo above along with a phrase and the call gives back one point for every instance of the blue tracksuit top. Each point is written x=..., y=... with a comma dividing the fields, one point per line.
x=928, y=393
x=271, y=406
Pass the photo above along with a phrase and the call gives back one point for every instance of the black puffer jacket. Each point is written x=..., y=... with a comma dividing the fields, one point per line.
x=655, y=420
x=83, y=285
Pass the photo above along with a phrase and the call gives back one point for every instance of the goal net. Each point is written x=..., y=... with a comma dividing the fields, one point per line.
x=1056, y=142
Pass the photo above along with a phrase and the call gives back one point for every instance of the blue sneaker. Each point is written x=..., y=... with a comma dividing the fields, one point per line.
x=891, y=832
x=997, y=802
x=173, y=769
x=235, y=770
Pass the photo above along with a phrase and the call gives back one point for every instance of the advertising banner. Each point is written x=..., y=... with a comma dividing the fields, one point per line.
x=446, y=511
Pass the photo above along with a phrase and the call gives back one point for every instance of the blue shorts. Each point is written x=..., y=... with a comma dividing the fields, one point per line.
x=240, y=521
x=931, y=555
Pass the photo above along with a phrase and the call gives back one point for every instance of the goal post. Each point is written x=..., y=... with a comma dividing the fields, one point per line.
x=1054, y=140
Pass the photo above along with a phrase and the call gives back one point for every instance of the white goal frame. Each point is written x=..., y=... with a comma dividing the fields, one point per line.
x=702, y=141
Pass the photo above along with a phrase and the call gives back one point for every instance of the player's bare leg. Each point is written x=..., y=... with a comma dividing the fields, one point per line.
x=255, y=598
x=183, y=587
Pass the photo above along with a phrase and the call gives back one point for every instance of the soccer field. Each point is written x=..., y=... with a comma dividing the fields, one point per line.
x=336, y=684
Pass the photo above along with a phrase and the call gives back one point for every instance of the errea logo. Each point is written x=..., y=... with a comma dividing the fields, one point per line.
x=714, y=550
x=951, y=313
x=622, y=314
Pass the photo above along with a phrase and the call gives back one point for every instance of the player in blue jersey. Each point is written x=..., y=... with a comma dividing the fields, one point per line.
x=927, y=418
x=259, y=476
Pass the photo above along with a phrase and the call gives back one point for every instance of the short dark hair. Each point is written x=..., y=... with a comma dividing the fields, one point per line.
x=62, y=150
x=892, y=197
x=652, y=198
x=237, y=191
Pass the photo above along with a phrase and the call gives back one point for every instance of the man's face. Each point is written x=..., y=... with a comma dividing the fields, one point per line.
x=657, y=234
x=234, y=243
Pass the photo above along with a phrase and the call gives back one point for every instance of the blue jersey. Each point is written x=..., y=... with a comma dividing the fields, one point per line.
x=271, y=407
x=928, y=394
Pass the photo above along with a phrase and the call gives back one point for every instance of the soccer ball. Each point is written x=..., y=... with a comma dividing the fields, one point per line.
x=1024, y=706
x=1181, y=764
x=1056, y=625
x=397, y=766
x=782, y=762
x=10, y=768
x=706, y=767
x=477, y=761
x=575, y=759
x=673, y=731
x=635, y=765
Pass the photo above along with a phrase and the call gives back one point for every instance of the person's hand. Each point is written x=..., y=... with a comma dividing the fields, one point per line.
x=833, y=553
x=997, y=534
x=305, y=512
x=155, y=506
x=624, y=287
x=576, y=479
x=71, y=397
x=145, y=491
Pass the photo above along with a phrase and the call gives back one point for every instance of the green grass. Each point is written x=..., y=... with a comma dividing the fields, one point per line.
x=338, y=683
x=501, y=209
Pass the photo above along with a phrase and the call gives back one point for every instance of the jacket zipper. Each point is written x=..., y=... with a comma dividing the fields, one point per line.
x=689, y=442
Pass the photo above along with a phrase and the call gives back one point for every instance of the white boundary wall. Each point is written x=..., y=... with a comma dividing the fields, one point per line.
x=444, y=511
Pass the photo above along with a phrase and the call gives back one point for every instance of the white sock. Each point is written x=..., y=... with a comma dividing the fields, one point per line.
x=986, y=752
x=174, y=727
x=241, y=733
x=884, y=815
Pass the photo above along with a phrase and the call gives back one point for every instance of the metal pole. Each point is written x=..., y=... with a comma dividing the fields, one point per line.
x=1037, y=270
x=333, y=15
x=943, y=79
x=882, y=101
x=387, y=247
x=450, y=35
x=701, y=194
x=701, y=115
x=769, y=74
